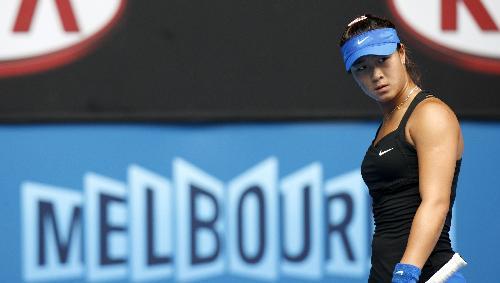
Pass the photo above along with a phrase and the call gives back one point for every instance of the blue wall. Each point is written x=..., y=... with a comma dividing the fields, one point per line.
x=78, y=162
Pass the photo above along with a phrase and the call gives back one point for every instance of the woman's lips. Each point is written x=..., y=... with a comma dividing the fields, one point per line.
x=382, y=88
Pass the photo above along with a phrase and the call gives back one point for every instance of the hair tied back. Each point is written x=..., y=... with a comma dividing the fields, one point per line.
x=358, y=19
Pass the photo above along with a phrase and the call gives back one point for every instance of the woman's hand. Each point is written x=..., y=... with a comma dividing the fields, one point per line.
x=405, y=273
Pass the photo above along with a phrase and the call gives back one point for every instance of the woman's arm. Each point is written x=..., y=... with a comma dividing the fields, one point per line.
x=435, y=131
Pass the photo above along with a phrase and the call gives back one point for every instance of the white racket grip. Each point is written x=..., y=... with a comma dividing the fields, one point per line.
x=455, y=263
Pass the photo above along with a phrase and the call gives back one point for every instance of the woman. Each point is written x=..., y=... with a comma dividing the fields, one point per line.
x=411, y=167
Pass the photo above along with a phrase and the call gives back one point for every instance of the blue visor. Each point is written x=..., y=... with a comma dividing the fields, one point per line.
x=374, y=42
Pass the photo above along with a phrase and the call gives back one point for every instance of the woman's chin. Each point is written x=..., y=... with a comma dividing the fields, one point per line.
x=382, y=97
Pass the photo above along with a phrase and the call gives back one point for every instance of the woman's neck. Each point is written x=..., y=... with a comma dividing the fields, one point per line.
x=402, y=99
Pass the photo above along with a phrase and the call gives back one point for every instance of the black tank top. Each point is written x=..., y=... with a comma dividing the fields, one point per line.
x=390, y=171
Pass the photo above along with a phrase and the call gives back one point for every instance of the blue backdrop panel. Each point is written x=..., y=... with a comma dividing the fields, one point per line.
x=212, y=203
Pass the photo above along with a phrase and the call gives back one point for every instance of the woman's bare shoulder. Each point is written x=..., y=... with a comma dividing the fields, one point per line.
x=434, y=112
x=434, y=122
x=432, y=118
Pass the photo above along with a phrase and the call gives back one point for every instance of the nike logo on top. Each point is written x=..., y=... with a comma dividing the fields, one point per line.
x=385, y=151
x=363, y=40
x=400, y=272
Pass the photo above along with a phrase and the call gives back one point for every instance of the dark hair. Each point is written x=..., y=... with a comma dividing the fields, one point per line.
x=370, y=22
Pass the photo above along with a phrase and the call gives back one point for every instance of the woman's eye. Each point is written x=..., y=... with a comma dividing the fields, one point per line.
x=360, y=68
x=382, y=59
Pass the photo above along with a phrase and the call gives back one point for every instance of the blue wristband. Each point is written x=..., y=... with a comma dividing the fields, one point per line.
x=405, y=273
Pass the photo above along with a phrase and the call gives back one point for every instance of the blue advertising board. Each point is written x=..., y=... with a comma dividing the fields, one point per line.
x=280, y=202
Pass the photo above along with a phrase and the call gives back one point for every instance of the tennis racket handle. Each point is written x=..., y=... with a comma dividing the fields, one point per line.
x=453, y=265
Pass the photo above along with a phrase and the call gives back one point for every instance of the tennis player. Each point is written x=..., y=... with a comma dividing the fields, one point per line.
x=411, y=167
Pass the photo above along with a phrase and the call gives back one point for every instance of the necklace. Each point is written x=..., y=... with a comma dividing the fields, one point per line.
x=387, y=116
